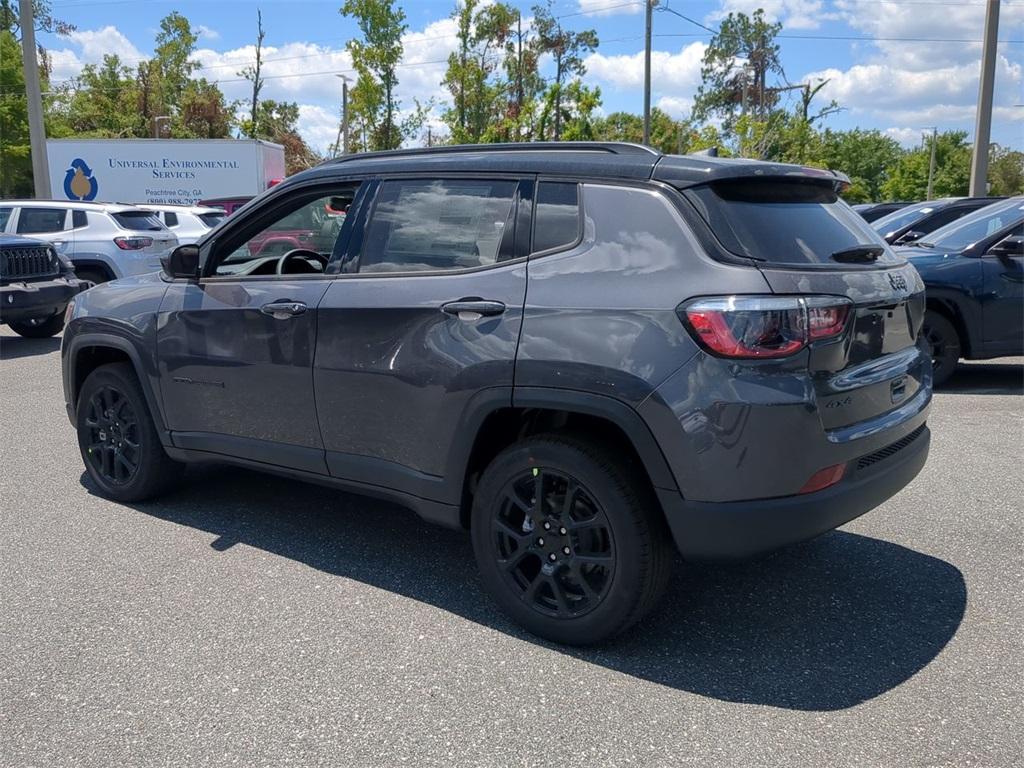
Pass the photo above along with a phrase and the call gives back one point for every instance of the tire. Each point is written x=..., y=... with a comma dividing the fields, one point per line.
x=42, y=328
x=93, y=275
x=944, y=342
x=612, y=536
x=113, y=420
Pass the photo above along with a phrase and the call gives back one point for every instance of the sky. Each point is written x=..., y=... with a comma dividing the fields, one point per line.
x=898, y=66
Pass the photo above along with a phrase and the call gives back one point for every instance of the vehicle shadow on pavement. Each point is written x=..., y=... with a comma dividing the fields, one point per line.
x=12, y=347
x=985, y=379
x=819, y=626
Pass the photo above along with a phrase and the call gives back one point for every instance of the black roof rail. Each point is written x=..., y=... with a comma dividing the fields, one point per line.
x=610, y=147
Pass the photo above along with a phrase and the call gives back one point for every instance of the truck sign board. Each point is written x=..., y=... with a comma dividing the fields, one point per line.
x=174, y=171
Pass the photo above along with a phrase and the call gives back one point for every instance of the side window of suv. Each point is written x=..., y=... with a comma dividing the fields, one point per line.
x=310, y=226
x=79, y=219
x=422, y=225
x=558, y=216
x=5, y=215
x=40, y=220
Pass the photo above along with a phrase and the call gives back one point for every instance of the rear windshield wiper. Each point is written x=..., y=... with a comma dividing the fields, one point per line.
x=859, y=253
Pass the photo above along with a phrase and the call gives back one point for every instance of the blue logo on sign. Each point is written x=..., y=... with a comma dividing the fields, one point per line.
x=79, y=183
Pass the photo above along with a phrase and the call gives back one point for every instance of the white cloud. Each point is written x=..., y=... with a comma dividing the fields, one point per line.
x=672, y=74
x=93, y=45
x=907, y=137
x=794, y=14
x=318, y=126
x=207, y=33
x=609, y=7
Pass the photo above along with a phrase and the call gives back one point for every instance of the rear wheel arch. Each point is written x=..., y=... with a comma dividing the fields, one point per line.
x=951, y=310
x=600, y=420
x=87, y=268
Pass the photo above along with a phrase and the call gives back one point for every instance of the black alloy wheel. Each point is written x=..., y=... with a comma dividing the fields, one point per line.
x=943, y=343
x=569, y=538
x=553, y=543
x=118, y=440
x=112, y=437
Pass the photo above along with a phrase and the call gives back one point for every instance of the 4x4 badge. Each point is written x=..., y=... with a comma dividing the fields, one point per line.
x=898, y=282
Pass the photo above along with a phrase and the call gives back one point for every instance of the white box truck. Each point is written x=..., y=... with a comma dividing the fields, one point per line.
x=175, y=171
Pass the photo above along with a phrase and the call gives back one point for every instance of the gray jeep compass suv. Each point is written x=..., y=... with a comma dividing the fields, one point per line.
x=579, y=352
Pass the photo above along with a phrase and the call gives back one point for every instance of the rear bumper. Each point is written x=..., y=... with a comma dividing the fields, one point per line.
x=21, y=301
x=727, y=530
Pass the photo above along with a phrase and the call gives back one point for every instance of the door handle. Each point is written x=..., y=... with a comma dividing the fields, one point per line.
x=473, y=309
x=282, y=310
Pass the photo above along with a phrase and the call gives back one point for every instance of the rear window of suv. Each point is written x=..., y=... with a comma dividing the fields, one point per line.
x=782, y=222
x=138, y=220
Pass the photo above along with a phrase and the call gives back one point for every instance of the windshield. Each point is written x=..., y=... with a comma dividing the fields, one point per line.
x=783, y=222
x=963, y=233
x=904, y=217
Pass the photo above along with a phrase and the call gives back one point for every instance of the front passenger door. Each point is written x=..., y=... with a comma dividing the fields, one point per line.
x=235, y=348
x=1003, y=307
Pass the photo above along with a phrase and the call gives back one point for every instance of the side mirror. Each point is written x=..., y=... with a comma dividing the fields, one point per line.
x=183, y=261
x=909, y=236
x=1008, y=246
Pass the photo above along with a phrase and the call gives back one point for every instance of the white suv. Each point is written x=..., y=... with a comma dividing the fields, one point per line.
x=188, y=222
x=104, y=241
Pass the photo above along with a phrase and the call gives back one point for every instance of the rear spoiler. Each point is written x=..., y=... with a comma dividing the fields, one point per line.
x=682, y=171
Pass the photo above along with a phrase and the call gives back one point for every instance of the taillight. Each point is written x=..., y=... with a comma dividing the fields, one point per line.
x=758, y=327
x=133, y=243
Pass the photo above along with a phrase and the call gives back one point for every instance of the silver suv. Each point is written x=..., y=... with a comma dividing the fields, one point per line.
x=104, y=241
x=187, y=222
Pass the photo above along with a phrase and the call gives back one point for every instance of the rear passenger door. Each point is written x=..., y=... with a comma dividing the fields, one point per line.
x=49, y=224
x=421, y=327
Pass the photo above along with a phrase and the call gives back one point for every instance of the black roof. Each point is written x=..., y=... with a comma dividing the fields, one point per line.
x=613, y=160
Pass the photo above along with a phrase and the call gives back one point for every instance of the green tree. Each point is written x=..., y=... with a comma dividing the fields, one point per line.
x=277, y=121
x=15, y=152
x=203, y=113
x=374, y=105
x=101, y=103
x=524, y=83
x=578, y=103
x=866, y=156
x=908, y=179
x=1005, y=171
x=175, y=44
x=737, y=64
x=476, y=96
x=666, y=133
x=567, y=48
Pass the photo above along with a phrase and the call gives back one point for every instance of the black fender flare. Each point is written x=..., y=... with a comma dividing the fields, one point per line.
x=98, y=265
x=490, y=400
x=93, y=339
x=615, y=411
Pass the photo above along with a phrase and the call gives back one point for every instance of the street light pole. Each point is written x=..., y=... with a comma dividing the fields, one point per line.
x=983, y=120
x=931, y=164
x=648, y=9
x=36, y=128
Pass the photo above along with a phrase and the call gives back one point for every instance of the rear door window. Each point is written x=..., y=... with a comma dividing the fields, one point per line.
x=782, y=222
x=138, y=220
x=439, y=225
x=170, y=219
x=558, y=216
x=40, y=220
x=5, y=216
x=79, y=219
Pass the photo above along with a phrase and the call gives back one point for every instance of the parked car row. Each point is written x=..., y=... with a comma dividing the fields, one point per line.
x=50, y=250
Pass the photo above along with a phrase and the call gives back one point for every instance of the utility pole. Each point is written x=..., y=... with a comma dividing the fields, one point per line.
x=649, y=11
x=36, y=129
x=343, y=126
x=931, y=164
x=983, y=120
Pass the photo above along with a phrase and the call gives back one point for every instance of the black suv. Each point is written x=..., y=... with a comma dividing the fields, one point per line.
x=579, y=352
x=36, y=284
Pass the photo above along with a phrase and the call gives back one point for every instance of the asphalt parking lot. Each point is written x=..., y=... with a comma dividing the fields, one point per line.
x=247, y=620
